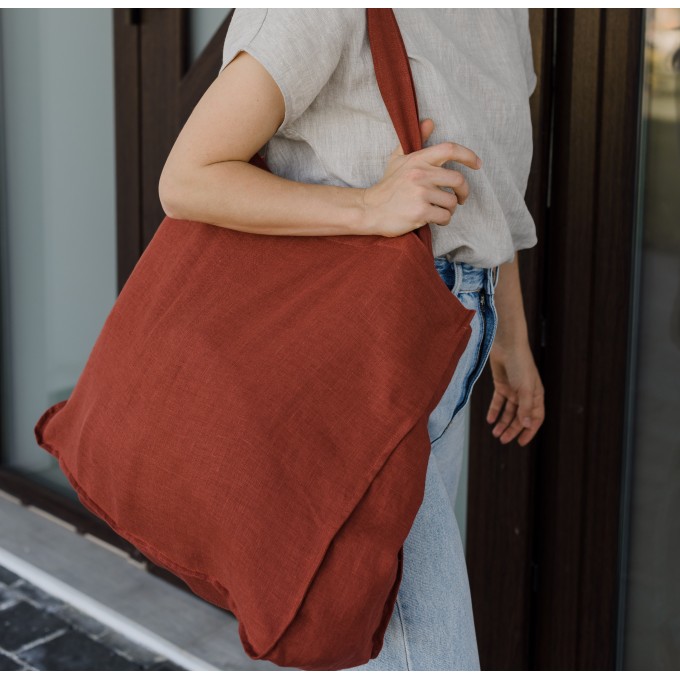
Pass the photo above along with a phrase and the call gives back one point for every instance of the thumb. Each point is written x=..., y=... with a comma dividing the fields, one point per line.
x=525, y=409
x=426, y=128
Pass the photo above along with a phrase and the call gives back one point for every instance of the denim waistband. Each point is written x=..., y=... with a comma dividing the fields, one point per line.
x=462, y=277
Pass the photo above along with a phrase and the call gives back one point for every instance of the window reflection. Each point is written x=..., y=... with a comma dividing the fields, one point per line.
x=652, y=612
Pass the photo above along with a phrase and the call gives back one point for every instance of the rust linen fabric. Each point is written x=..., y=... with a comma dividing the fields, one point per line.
x=253, y=415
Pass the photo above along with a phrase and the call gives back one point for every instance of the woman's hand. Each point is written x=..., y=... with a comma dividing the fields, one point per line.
x=410, y=193
x=518, y=390
x=518, y=393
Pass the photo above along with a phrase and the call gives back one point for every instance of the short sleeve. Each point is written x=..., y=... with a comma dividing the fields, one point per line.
x=526, y=50
x=300, y=48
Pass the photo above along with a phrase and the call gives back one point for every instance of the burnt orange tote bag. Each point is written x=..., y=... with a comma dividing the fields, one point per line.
x=253, y=414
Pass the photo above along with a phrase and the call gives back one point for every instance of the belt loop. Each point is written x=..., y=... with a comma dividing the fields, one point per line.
x=491, y=279
x=457, y=276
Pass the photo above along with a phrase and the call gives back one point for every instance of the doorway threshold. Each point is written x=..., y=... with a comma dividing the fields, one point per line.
x=101, y=582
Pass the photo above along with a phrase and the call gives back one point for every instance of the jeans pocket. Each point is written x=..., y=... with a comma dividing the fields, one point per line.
x=489, y=321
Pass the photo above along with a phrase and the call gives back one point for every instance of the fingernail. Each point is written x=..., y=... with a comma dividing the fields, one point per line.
x=527, y=422
x=479, y=162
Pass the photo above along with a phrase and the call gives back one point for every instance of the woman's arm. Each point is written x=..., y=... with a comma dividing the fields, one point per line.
x=207, y=176
x=518, y=390
x=512, y=324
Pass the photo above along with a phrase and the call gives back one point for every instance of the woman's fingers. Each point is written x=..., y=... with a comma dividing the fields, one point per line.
x=446, y=200
x=451, y=179
x=497, y=402
x=506, y=418
x=510, y=432
x=416, y=189
x=526, y=405
x=528, y=432
x=438, y=154
x=523, y=418
x=536, y=417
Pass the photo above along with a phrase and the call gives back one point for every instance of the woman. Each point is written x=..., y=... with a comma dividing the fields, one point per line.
x=299, y=85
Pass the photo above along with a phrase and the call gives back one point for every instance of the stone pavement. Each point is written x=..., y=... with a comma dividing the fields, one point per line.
x=41, y=632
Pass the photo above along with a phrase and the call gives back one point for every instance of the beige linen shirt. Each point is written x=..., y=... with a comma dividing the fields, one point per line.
x=473, y=74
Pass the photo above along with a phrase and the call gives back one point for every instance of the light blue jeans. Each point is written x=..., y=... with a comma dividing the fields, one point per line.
x=432, y=626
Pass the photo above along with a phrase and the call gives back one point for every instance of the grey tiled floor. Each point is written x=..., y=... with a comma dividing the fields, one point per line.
x=40, y=632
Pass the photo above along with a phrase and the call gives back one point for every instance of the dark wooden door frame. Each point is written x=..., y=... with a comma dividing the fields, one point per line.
x=544, y=524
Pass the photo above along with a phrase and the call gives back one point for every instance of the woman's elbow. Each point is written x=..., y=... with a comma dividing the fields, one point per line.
x=169, y=195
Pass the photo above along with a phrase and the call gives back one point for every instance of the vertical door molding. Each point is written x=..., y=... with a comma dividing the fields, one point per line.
x=127, y=85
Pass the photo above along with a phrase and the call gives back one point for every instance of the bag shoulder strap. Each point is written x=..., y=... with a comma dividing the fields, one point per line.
x=393, y=73
x=395, y=80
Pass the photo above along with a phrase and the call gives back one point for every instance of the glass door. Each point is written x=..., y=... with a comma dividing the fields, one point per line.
x=58, y=222
x=649, y=636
